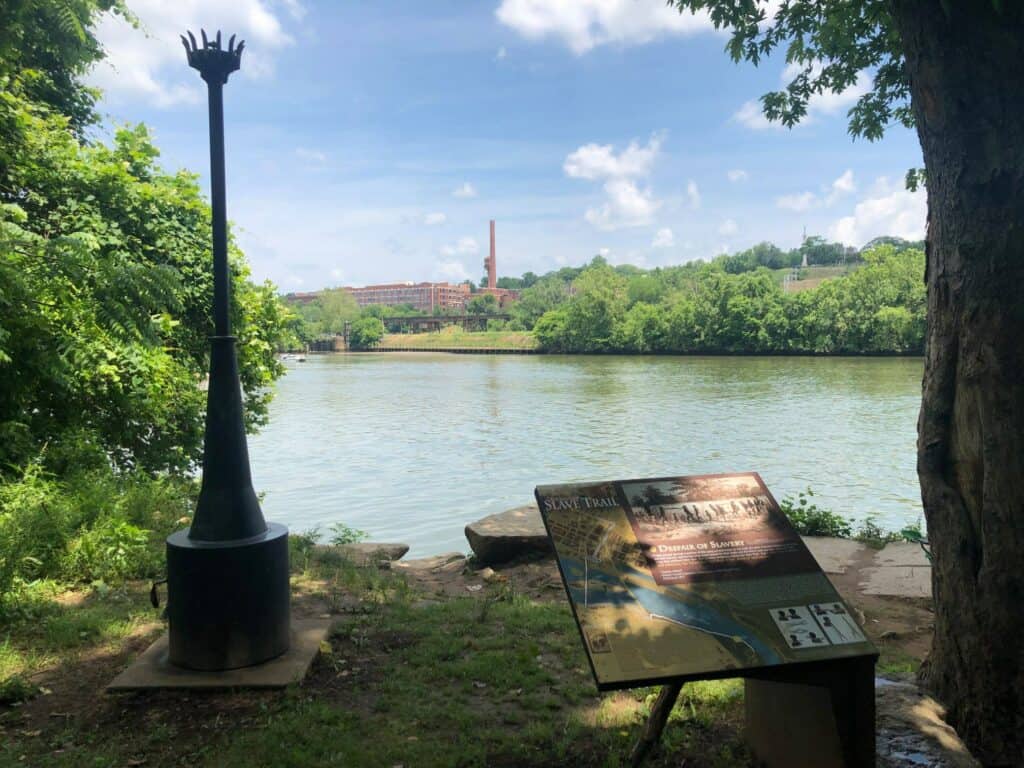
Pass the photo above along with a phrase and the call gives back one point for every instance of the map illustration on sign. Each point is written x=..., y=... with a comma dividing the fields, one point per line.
x=691, y=576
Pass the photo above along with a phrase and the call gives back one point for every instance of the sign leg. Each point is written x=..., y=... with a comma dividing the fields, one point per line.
x=819, y=715
x=655, y=723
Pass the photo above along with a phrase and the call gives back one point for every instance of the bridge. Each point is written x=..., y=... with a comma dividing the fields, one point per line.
x=409, y=324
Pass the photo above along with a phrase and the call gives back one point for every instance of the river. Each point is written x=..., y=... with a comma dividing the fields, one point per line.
x=412, y=446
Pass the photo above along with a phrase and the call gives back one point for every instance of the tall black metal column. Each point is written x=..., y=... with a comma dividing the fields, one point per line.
x=228, y=596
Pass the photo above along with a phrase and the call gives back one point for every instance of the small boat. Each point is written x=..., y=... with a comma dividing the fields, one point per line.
x=300, y=359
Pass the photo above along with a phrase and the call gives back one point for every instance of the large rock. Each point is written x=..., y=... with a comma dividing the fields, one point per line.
x=509, y=535
x=363, y=553
x=836, y=555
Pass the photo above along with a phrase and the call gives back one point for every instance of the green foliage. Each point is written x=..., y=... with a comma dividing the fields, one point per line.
x=15, y=690
x=88, y=526
x=811, y=520
x=482, y=304
x=365, y=332
x=344, y=534
x=111, y=551
x=828, y=44
x=877, y=308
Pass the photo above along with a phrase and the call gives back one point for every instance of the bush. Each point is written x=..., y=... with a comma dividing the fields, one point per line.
x=811, y=520
x=111, y=551
x=95, y=525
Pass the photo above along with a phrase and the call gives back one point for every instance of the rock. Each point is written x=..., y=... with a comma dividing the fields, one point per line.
x=912, y=732
x=363, y=554
x=901, y=554
x=491, y=576
x=445, y=562
x=507, y=535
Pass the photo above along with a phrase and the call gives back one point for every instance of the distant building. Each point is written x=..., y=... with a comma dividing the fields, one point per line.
x=423, y=296
x=426, y=297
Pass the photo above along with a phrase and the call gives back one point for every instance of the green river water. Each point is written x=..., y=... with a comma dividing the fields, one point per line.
x=412, y=446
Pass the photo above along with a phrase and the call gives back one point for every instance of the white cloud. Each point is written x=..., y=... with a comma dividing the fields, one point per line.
x=693, y=194
x=311, y=155
x=663, y=238
x=728, y=228
x=599, y=161
x=463, y=247
x=626, y=203
x=751, y=115
x=844, y=185
x=464, y=190
x=433, y=219
x=586, y=24
x=450, y=270
x=627, y=206
x=805, y=201
x=149, y=63
x=801, y=202
x=737, y=174
x=890, y=209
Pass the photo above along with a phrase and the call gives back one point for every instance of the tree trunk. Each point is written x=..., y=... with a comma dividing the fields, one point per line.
x=965, y=61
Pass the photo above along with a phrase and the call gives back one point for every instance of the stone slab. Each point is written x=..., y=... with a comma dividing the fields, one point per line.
x=897, y=581
x=901, y=553
x=362, y=554
x=507, y=535
x=835, y=555
x=153, y=671
x=447, y=561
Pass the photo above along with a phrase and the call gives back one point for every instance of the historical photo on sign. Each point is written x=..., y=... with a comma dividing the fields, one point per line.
x=683, y=576
x=713, y=528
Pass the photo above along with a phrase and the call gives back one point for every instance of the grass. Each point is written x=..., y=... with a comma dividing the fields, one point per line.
x=407, y=678
x=454, y=337
x=810, y=277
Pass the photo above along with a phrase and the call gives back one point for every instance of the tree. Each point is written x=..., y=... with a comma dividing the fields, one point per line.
x=337, y=306
x=952, y=70
x=365, y=332
x=485, y=304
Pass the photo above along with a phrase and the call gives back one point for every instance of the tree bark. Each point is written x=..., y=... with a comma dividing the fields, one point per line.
x=965, y=61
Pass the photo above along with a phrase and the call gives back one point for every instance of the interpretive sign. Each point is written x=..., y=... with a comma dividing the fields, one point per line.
x=691, y=577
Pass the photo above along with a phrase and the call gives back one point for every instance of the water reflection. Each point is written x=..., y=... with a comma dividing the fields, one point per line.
x=412, y=447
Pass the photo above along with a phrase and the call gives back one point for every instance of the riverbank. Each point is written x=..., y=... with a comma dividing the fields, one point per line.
x=430, y=662
x=454, y=338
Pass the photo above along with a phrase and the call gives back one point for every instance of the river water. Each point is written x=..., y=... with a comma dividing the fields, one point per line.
x=412, y=446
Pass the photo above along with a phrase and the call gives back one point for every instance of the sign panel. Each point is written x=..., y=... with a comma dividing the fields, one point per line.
x=691, y=577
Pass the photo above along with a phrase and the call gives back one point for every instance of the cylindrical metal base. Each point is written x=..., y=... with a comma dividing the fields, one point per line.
x=228, y=602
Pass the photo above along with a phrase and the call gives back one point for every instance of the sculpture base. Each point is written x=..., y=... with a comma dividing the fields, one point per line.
x=228, y=602
x=153, y=671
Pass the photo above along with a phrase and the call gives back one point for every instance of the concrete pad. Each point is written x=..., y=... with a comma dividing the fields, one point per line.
x=897, y=581
x=901, y=553
x=153, y=671
x=507, y=535
x=446, y=562
x=835, y=555
x=362, y=554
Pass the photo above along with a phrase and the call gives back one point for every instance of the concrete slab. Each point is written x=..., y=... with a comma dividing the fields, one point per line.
x=897, y=581
x=446, y=562
x=835, y=555
x=901, y=553
x=362, y=554
x=507, y=535
x=153, y=671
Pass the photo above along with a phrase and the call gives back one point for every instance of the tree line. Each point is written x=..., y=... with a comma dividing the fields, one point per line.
x=878, y=307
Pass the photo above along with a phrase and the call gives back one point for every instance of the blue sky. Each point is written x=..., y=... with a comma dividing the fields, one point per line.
x=372, y=141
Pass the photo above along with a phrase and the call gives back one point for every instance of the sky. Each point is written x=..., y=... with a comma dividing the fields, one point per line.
x=373, y=141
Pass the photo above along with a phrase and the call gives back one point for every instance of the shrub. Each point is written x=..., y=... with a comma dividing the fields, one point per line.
x=344, y=534
x=110, y=551
x=811, y=520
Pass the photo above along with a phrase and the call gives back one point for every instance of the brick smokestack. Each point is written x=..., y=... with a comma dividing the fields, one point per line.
x=491, y=264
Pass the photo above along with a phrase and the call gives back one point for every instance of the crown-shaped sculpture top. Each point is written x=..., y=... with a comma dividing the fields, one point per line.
x=213, y=62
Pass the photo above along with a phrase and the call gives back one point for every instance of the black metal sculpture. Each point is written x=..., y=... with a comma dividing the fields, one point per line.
x=228, y=596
